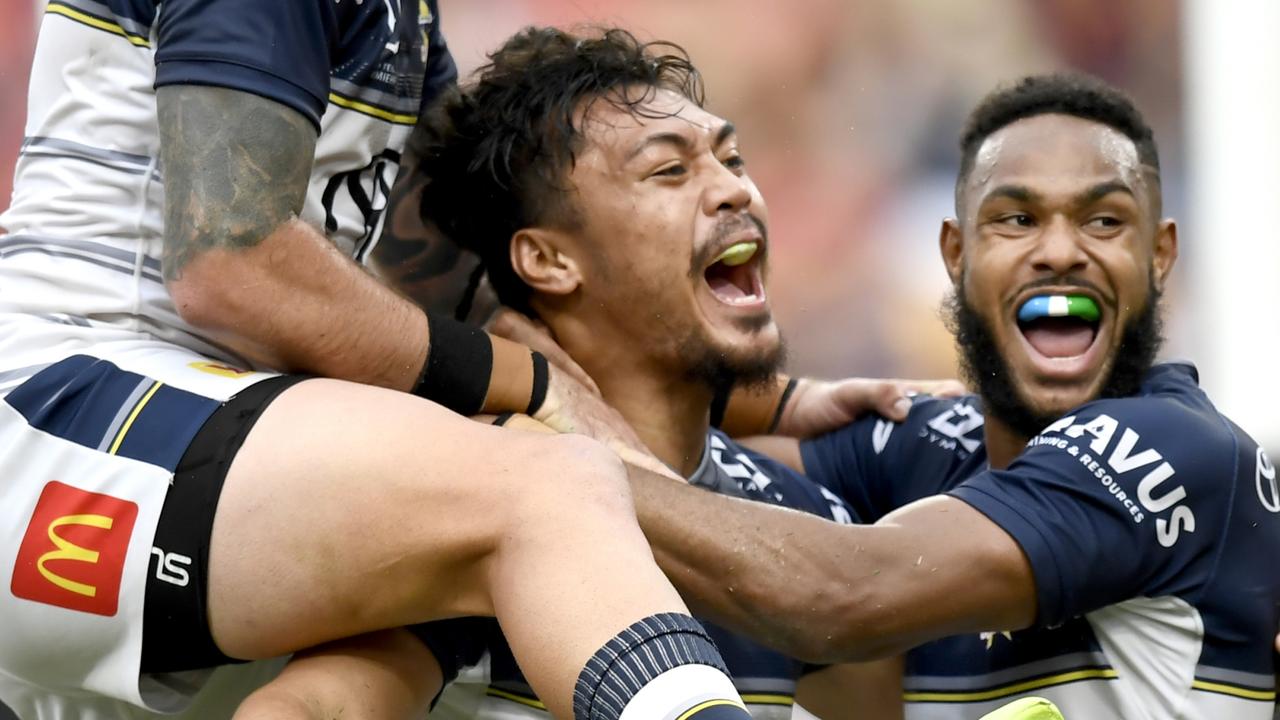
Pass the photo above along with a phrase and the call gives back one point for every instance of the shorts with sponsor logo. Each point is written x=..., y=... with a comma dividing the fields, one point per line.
x=89, y=445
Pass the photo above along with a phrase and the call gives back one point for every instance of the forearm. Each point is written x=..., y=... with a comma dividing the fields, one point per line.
x=824, y=592
x=295, y=303
x=744, y=564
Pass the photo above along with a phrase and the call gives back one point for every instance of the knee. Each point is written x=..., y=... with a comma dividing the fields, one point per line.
x=577, y=476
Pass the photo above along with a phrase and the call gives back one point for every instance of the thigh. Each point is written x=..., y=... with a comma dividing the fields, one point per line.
x=351, y=508
x=88, y=451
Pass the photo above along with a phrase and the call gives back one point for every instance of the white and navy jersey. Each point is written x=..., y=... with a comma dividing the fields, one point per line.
x=85, y=226
x=765, y=679
x=1149, y=522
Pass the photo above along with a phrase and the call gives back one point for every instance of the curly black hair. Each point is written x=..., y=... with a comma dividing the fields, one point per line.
x=1074, y=94
x=496, y=152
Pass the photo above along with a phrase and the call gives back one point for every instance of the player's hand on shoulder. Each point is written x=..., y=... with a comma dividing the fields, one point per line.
x=818, y=406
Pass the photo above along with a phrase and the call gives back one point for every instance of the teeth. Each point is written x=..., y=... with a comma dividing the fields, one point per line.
x=737, y=254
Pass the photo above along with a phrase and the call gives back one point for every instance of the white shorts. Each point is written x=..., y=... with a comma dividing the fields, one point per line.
x=92, y=426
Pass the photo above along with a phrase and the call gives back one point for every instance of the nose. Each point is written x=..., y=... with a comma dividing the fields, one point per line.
x=727, y=191
x=1058, y=251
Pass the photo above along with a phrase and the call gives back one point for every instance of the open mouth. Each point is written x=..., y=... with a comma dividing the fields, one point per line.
x=1060, y=326
x=734, y=276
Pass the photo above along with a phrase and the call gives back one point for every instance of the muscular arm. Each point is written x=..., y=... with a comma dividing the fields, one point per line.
x=825, y=592
x=241, y=266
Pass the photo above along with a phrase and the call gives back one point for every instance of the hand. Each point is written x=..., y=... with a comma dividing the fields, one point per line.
x=818, y=406
x=642, y=459
x=509, y=324
x=571, y=407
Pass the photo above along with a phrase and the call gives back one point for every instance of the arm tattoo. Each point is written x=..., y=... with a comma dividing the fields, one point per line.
x=235, y=165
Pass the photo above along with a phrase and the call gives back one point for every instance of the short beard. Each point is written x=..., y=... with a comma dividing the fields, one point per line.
x=722, y=371
x=984, y=367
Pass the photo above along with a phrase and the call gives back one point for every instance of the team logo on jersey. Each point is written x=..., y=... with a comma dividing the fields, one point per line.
x=72, y=555
x=1265, y=477
x=219, y=369
x=954, y=429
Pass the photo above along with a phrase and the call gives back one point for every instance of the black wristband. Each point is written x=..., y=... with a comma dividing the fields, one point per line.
x=541, y=378
x=782, y=404
x=458, y=366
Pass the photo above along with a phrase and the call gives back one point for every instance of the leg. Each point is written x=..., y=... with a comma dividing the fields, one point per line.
x=351, y=509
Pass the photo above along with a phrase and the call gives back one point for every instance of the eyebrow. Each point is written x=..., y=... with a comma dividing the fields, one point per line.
x=1020, y=193
x=680, y=141
x=726, y=130
x=1101, y=190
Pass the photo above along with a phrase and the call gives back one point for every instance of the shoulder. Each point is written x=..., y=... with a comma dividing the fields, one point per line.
x=1171, y=421
x=760, y=477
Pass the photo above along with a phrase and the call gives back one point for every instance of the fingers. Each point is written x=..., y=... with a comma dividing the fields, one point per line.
x=509, y=324
x=892, y=398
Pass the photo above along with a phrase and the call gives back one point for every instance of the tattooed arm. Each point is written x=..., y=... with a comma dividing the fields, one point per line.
x=242, y=267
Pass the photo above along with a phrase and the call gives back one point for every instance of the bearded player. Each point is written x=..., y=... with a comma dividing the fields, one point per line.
x=1089, y=527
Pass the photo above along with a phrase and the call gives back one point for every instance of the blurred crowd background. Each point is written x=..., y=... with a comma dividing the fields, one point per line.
x=849, y=115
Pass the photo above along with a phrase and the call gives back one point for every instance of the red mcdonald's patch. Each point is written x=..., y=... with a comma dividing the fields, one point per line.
x=73, y=552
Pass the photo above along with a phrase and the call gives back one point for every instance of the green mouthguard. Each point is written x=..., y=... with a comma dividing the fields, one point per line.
x=1059, y=306
x=737, y=254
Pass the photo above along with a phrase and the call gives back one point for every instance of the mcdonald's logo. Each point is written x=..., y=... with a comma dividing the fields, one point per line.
x=72, y=555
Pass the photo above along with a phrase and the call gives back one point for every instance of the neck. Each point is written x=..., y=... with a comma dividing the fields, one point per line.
x=671, y=416
x=1003, y=442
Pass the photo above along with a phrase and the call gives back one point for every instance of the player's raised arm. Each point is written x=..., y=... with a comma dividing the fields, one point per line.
x=826, y=592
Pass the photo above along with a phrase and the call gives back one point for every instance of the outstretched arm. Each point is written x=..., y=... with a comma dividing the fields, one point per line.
x=825, y=592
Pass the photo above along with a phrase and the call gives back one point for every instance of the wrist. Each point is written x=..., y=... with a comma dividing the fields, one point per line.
x=469, y=371
x=758, y=411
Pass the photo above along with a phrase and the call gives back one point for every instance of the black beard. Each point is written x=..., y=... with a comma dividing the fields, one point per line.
x=721, y=371
x=984, y=367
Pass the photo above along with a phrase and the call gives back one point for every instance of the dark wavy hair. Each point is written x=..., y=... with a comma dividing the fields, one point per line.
x=1072, y=94
x=497, y=152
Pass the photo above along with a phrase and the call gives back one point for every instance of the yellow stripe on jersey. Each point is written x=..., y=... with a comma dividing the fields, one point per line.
x=704, y=705
x=1014, y=689
x=767, y=699
x=370, y=110
x=57, y=8
x=128, y=423
x=530, y=702
x=1233, y=690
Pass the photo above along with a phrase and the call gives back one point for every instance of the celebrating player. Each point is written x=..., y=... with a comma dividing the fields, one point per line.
x=1088, y=527
x=639, y=207
x=199, y=185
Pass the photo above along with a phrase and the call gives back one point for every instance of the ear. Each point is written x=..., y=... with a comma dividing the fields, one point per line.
x=1164, y=251
x=539, y=258
x=951, y=244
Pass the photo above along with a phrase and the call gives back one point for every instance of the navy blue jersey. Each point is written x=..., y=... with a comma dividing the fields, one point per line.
x=766, y=679
x=1143, y=518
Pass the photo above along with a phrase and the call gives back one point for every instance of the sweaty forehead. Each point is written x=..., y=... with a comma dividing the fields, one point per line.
x=1051, y=153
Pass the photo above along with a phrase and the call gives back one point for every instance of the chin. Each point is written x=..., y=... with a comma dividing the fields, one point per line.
x=735, y=357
